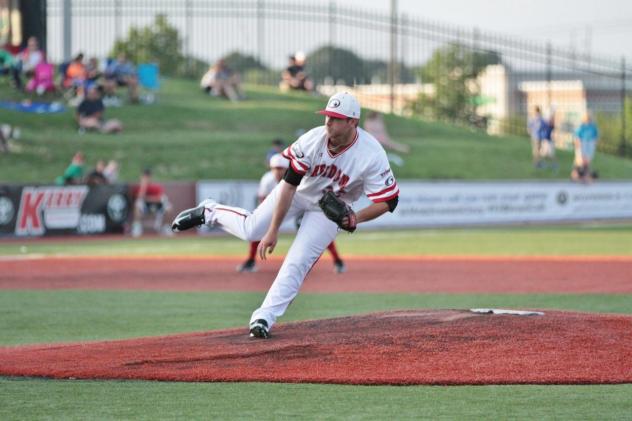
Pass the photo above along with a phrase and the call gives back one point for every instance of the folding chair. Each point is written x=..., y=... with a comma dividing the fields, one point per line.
x=149, y=81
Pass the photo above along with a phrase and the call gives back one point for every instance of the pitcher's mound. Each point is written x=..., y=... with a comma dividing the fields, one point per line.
x=400, y=347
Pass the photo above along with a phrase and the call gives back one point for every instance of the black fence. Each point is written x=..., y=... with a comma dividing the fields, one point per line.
x=393, y=62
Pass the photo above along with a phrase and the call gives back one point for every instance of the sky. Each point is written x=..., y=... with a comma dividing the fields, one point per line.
x=602, y=26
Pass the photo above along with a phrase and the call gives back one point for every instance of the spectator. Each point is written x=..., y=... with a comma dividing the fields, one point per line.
x=28, y=59
x=547, y=146
x=534, y=128
x=277, y=147
x=121, y=72
x=8, y=65
x=43, y=79
x=586, y=138
x=96, y=177
x=221, y=81
x=76, y=75
x=4, y=138
x=7, y=133
x=93, y=71
x=294, y=75
x=149, y=199
x=111, y=171
x=89, y=114
x=374, y=124
x=74, y=172
x=278, y=166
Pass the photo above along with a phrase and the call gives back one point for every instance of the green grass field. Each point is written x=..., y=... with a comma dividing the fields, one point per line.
x=189, y=136
x=582, y=240
x=64, y=316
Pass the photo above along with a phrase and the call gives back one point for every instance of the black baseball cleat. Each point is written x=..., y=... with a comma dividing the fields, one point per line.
x=259, y=329
x=247, y=266
x=339, y=266
x=192, y=217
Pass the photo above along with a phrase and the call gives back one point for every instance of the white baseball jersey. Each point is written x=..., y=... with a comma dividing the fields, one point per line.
x=267, y=183
x=362, y=167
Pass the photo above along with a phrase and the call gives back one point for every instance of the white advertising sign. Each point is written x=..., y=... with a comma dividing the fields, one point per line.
x=430, y=204
x=487, y=203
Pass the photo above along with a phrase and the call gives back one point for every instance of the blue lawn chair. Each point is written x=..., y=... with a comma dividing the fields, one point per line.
x=149, y=80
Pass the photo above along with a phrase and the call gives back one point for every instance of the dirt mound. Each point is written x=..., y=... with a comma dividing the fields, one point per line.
x=401, y=347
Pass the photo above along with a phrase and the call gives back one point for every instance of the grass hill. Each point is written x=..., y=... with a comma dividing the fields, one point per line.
x=186, y=135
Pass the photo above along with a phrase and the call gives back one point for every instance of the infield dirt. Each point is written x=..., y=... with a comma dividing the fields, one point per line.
x=403, y=347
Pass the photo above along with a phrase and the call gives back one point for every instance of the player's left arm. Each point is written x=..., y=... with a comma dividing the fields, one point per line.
x=372, y=211
x=381, y=188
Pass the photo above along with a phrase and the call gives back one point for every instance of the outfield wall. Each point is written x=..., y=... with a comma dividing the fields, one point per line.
x=446, y=203
x=33, y=211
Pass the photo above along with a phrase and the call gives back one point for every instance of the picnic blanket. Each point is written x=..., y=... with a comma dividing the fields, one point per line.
x=33, y=107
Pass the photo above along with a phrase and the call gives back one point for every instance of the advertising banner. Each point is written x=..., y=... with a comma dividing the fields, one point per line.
x=424, y=204
x=56, y=210
x=435, y=204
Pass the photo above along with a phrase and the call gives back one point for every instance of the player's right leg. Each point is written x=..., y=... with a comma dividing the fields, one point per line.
x=249, y=226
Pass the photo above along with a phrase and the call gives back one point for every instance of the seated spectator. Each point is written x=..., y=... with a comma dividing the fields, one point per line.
x=27, y=60
x=7, y=134
x=7, y=61
x=221, y=81
x=278, y=145
x=374, y=124
x=43, y=79
x=96, y=177
x=121, y=72
x=294, y=75
x=8, y=65
x=111, y=171
x=89, y=115
x=76, y=75
x=93, y=71
x=74, y=172
x=149, y=199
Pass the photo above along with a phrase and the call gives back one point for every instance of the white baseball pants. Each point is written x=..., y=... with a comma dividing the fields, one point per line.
x=314, y=235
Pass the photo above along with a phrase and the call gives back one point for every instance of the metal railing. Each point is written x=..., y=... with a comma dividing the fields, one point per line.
x=393, y=62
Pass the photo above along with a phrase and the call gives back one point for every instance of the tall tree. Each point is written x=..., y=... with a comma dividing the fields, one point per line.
x=452, y=70
x=159, y=43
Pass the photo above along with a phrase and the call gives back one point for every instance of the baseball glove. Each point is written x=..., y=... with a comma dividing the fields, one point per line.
x=338, y=211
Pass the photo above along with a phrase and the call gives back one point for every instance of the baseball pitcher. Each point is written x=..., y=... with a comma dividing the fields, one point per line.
x=331, y=166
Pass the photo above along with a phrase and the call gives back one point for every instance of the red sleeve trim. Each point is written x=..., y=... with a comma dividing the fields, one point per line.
x=292, y=158
x=386, y=199
x=386, y=190
x=297, y=170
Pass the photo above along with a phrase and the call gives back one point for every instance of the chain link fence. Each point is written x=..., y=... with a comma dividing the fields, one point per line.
x=392, y=62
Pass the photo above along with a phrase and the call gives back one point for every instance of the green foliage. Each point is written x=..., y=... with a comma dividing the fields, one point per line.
x=158, y=43
x=194, y=68
x=242, y=62
x=344, y=65
x=514, y=125
x=336, y=63
x=610, y=130
x=452, y=71
x=262, y=76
